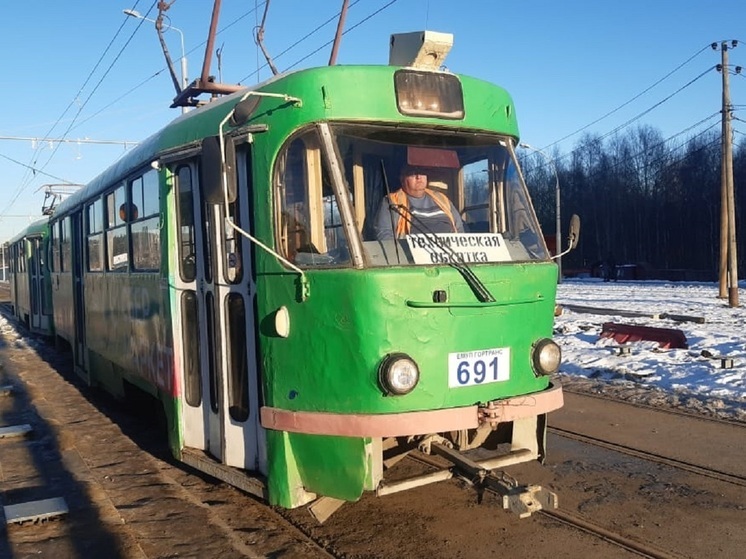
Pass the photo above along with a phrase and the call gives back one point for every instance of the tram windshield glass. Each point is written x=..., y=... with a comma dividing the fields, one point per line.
x=414, y=197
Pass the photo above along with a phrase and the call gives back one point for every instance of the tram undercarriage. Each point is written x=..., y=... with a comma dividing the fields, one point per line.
x=474, y=455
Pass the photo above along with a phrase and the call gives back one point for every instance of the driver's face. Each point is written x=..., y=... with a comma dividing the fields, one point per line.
x=414, y=183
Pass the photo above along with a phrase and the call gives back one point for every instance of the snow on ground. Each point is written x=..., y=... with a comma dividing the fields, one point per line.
x=691, y=378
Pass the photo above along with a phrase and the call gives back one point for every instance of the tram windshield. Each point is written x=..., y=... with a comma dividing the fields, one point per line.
x=413, y=197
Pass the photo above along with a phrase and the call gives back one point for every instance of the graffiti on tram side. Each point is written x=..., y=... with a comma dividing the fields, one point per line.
x=128, y=326
x=152, y=357
x=154, y=362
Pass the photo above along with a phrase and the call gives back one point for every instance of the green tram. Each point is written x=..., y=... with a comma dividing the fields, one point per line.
x=230, y=266
x=28, y=278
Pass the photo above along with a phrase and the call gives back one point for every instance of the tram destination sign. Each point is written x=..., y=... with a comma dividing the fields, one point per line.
x=469, y=248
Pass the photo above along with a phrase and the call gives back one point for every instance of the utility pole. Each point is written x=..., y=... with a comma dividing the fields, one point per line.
x=728, y=274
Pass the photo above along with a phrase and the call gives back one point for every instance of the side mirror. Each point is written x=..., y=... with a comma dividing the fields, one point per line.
x=212, y=170
x=574, y=235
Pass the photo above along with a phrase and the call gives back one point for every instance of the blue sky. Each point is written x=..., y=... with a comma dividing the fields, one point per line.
x=566, y=64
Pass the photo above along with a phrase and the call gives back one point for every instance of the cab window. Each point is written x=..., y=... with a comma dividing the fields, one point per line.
x=309, y=232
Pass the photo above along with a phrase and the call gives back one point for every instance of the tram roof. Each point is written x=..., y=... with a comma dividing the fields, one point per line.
x=36, y=229
x=327, y=93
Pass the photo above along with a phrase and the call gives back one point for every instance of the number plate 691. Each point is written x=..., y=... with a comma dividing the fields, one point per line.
x=471, y=368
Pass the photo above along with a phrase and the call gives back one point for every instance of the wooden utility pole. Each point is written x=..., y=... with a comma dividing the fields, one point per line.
x=728, y=276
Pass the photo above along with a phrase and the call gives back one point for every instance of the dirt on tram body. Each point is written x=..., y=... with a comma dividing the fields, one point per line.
x=128, y=499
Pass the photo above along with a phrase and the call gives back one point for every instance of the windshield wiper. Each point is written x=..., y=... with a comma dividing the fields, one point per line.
x=455, y=260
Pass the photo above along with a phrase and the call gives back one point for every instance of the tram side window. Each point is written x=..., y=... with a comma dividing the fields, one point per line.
x=187, y=239
x=95, y=235
x=66, y=246
x=116, y=230
x=238, y=374
x=41, y=253
x=145, y=228
x=232, y=240
x=311, y=232
x=54, y=247
x=190, y=330
x=22, y=256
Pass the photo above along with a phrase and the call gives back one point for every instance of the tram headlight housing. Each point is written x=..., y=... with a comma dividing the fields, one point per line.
x=398, y=374
x=546, y=357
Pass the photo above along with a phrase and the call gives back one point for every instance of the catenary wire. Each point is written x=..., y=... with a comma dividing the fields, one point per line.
x=33, y=170
x=669, y=74
x=24, y=185
x=296, y=43
x=378, y=11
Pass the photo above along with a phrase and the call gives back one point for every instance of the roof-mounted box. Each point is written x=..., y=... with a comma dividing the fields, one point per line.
x=425, y=50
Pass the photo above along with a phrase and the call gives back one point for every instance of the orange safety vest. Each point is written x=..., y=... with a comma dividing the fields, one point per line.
x=400, y=199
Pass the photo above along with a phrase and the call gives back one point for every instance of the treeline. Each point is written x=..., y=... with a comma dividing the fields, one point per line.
x=641, y=199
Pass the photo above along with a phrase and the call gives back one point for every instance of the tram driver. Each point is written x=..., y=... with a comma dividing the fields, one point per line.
x=416, y=208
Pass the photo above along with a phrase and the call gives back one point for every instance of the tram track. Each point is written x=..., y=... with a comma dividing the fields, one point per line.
x=579, y=523
x=660, y=409
x=651, y=457
x=642, y=549
x=330, y=544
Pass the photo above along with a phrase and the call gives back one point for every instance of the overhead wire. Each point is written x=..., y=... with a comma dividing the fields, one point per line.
x=24, y=184
x=296, y=43
x=75, y=97
x=639, y=115
x=35, y=170
x=643, y=92
x=118, y=99
x=106, y=73
x=658, y=104
x=75, y=122
x=656, y=145
x=358, y=24
x=669, y=157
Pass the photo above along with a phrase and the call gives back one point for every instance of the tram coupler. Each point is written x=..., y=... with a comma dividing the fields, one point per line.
x=520, y=499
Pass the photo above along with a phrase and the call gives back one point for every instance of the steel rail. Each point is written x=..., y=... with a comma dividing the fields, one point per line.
x=574, y=521
x=671, y=411
x=620, y=540
x=719, y=475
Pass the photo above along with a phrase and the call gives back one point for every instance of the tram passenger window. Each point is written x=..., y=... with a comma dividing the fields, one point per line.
x=22, y=259
x=41, y=254
x=54, y=247
x=185, y=215
x=238, y=374
x=95, y=228
x=145, y=230
x=146, y=244
x=232, y=240
x=66, y=246
x=116, y=231
x=190, y=331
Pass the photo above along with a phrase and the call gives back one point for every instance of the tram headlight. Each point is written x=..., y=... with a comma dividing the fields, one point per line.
x=398, y=374
x=546, y=357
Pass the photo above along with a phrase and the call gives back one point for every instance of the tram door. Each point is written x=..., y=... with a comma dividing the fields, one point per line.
x=78, y=295
x=37, y=285
x=220, y=388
